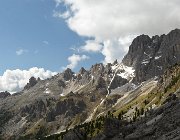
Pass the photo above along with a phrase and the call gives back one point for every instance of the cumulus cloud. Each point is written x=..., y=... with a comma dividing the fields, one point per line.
x=110, y=22
x=15, y=80
x=91, y=46
x=74, y=60
x=21, y=51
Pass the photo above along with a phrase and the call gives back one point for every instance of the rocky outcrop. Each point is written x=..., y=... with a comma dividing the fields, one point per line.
x=83, y=76
x=118, y=82
x=61, y=83
x=4, y=94
x=97, y=70
x=151, y=56
x=68, y=107
x=32, y=82
x=82, y=71
x=68, y=74
x=100, y=83
x=35, y=110
x=169, y=77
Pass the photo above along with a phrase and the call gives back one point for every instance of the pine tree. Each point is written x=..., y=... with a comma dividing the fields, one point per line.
x=142, y=111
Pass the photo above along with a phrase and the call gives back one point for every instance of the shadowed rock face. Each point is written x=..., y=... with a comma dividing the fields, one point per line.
x=68, y=74
x=61, y=83
x=68, y=107
x=82, y=71
x=118, y=82
x=32, y=82
x=151, y=56
x=4, y=94
x=97, y=69
x=100, y=83
x=83, y=76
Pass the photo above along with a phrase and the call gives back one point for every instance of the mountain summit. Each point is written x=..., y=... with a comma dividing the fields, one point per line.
x=151, y=56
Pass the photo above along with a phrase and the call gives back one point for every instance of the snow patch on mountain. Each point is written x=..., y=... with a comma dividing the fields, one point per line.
x=123, y=71
x=157, y=57
x=47, y=91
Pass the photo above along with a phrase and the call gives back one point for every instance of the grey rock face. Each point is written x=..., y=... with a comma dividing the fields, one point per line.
x=4, y=94
x=108, y=68
x=32, y=82
x=118, y=82
x=82, y=71
x=151, y=56
x=68, y=107
x=97, y=69
x=68, y=74
x=61, y=83
x=35, y=110
x=83, y=77
x=100, y=82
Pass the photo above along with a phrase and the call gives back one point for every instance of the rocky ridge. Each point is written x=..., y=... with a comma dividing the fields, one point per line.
x=46, y=108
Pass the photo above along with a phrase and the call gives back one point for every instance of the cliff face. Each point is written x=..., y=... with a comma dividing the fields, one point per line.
x=151, y=56
x=4, y=94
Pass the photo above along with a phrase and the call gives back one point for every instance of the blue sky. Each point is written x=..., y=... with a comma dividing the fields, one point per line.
x=29, y=25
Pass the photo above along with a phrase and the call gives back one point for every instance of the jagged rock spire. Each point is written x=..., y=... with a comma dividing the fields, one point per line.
x=68, y=74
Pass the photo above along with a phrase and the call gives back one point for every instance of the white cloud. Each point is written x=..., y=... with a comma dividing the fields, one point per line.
x=15, y=80
x=92, y=46
x=21, y=51
x=64, y=15
x=75, y=49
x=112, y=21
x=58, y=2
x=74, y=60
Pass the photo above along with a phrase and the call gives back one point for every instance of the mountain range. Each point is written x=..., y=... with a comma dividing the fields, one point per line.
x=136, y=99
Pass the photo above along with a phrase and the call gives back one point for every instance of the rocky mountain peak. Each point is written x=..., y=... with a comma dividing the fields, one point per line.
x=97, y=69
x=32, y=82
x=82, y=70
x=115, y=62
x=83, y=76
x=172, y=37
x=4, y=94
x=151, y=56
x=108, y=68
x=174, y=33
x=68, y=74
x=140, y=42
